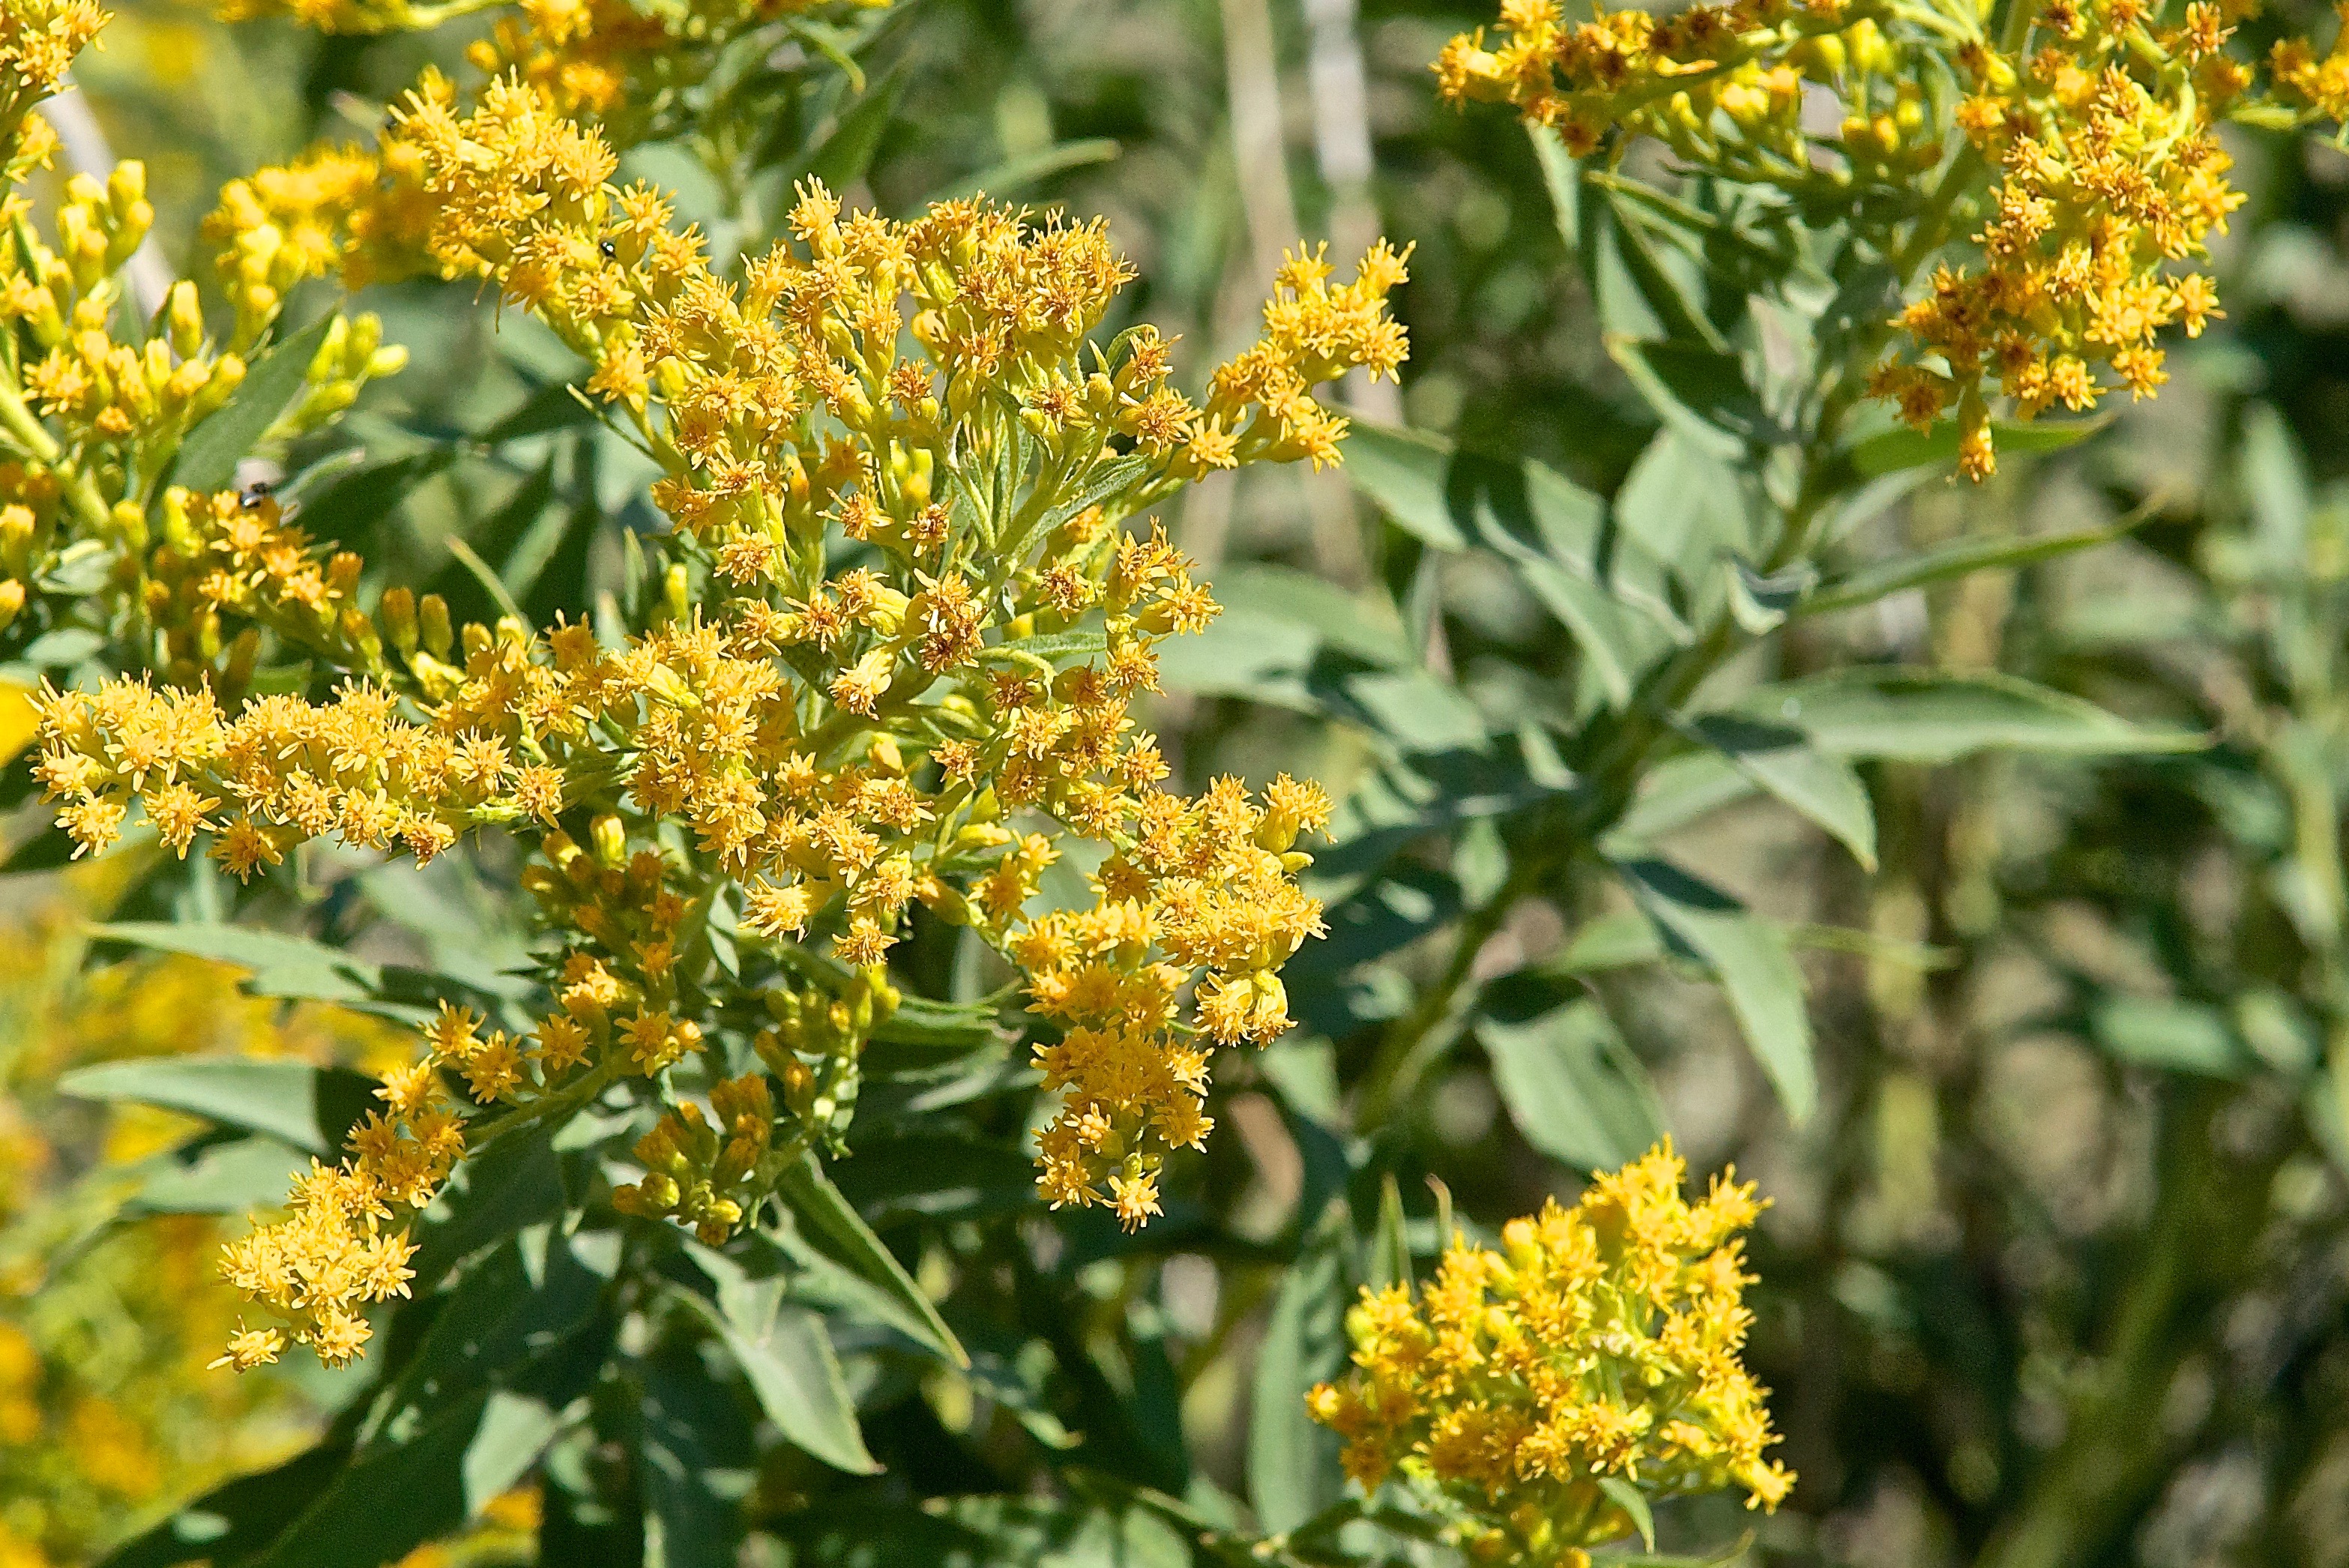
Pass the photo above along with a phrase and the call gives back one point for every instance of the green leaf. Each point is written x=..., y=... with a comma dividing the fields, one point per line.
x=281, y=964
x=307, y=1108
x=1960, y=560
x=1389, y=1248
x=354, y=504
x=2178, y=1036
x=208, y=458
x=1751, y=961
x=845, y=155
x=298, y=968
x=516, y=1182
x=1938, y=716
x=1684, y=504
x=695, y=1463
x=1675, y=792
x=784, y=1352
x=44, y=852
x=557, y=406
x=1680, y=316
x=1292, y=1461
x=812, y=1197
x=384, y=1506
x=235, y=1176
x=1700, y=391
x=1626, y=1496
x=1620, y=941
x=1016, y=174
x=538, y=1289
x=1572, y=1086
x=1609, y=590
x=78, y=571
x=1358, y=625
x=1562, y=178
x=1821, y=786
x=1895, y=450
x=231, y=1523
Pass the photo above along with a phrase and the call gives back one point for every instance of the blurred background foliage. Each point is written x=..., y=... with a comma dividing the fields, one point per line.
x=2058, y=1269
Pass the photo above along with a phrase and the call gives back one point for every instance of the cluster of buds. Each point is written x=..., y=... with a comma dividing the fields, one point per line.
x=1722, y=85
x=710, y=1177
x=95, y=416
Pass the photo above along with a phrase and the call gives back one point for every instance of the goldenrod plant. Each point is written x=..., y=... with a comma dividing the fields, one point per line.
x=901, y=1021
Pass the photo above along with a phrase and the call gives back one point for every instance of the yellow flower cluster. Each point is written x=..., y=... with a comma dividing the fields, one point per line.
x=554, y=22
x=2109, y=172
x=2319, y=87
x=100, y=403
x=894, y=661
x=1600, y=1344
x=39, y=41
x=2092, y=157
x=340, y=209
x=616, y=61
x=1692, y=80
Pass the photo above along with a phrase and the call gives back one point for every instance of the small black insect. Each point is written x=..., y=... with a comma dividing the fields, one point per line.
x=254, y=494
x=611, y=251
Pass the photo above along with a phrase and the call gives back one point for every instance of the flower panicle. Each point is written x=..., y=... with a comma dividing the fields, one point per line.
x=1599, y=1344
x=930, y=725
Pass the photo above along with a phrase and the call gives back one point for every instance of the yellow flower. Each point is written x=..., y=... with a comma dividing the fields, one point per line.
x=1600, y=1343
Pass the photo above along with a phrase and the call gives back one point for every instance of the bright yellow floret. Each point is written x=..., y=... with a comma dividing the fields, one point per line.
x=1599, y=1345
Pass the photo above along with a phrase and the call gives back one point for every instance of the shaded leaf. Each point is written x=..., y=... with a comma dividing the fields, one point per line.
x=233, y=1521
x=1936, y=716
x=843, y=156
x=694, y=1459
x=1751, y=961
x=1701, y=391
x=305, y=1107
x=833, y=1220
x=1572, y=1086
x=207, y=459
x=1292, y=1461
x=1895, y=450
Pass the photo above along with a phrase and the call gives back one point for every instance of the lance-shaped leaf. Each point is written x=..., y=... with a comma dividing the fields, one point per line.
x=788, y=1359
x=207, y=459
x=1938, y=716
x=1751, y=961
x=1607, y=589
x=1572, y=1086
x=1960, y=560
x=835, y=1225
x=308, y=1108
x=1782, y=760
x=1292, y=1462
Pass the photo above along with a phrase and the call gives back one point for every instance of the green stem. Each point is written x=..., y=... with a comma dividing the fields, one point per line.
x=480, y=1135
